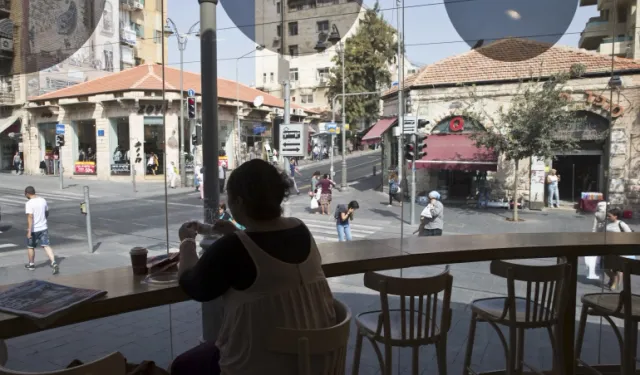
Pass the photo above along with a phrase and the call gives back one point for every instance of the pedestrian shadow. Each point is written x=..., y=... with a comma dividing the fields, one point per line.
x=46, y=263
x=387, y=214
x=5, y=228
x=366, y=183
x=96, y=247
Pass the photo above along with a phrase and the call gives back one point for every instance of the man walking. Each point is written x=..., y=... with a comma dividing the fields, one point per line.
x=37, y=230
x=293, y=169
x=221, y=177
x=17, y=162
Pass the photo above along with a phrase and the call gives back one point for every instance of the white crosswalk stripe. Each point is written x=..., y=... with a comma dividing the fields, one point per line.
x=324, y=228
x=7, y=246
x=13, y=202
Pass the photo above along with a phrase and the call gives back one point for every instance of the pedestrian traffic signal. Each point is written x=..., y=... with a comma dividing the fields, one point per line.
x=409, y=151
x=138, y=155
x=422, y=124
x=191, y=107
x=59, y=140
x=197, y=138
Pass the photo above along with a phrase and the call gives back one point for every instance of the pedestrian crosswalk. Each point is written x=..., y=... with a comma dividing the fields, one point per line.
x=13, y=201
x=324, y=229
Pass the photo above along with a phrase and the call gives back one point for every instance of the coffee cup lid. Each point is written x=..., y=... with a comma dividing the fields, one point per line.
x=139, y=249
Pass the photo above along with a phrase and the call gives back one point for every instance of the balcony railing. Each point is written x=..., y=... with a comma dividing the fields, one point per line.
x=127, y=36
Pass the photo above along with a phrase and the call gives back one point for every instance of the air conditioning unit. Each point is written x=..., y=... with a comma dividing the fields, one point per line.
x=138, y=5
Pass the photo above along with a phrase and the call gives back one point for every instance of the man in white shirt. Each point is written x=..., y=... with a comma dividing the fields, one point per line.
x=37, y=230
x=222, y=176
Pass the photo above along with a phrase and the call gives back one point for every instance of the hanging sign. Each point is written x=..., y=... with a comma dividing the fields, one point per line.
x=456, y=124
x=600, y=101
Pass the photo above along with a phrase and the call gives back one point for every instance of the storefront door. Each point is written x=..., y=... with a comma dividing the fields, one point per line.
x=85, y=152
x=119, y=146
x=154, y=146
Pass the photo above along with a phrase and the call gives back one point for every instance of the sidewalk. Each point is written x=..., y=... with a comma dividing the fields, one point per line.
x=307, y=163
x=120, y=189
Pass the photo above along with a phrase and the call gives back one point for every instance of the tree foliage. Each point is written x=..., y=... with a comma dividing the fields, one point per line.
x=368, y=54
x=537, y=122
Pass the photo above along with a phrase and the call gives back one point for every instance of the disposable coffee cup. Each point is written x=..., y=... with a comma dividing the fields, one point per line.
x=139, y=260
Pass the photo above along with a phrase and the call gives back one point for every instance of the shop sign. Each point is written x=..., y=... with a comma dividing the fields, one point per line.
x=188, y=168
x=150, y=109
x=120, y=169
x=85, y=167
x=602, y=102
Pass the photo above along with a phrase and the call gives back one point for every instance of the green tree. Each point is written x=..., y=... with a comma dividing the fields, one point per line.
x=537, y=122
x=368, y=54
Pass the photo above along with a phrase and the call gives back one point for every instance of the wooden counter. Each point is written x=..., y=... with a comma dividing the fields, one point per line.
x=126, y=292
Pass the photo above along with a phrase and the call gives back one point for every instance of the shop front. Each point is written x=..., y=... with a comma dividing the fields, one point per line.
x=9, y=144
x=49, y=152
x=84, y=152
x=454, y=163
x=119, y=145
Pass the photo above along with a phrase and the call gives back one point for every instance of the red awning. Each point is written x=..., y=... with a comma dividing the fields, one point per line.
x=457, y=151
x=375, y=133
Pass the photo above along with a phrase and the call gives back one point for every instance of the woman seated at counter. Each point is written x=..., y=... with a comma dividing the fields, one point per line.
x=268, y=276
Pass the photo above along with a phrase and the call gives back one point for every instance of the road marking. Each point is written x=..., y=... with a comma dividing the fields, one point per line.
x=7, y=245
x=364, y=232
x=360, y=224
x=326, y=239
x=173, y=203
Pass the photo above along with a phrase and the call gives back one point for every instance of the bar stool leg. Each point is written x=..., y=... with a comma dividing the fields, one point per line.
x=388, y=359
x=520, y=354
x=470, y=340
x=4, y=353
x=357, y=352
x=441, y=353
x=414, y=360
x=512, y=351
x=579, y=340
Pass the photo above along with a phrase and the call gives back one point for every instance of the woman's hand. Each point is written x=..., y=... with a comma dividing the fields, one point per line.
x=188, y=230
x=224, y=227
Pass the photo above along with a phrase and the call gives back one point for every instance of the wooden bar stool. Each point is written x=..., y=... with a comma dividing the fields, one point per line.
x=319, y=351
x=623, y=305
x=542, y=307
x=411, y=326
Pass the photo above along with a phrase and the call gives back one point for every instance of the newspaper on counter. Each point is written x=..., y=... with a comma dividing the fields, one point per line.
x=38, y=299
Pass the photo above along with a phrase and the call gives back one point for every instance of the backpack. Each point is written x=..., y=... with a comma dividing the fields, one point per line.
x=393, y=187
x=338, y=211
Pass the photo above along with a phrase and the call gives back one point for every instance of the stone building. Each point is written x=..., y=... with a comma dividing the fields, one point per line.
x=112, y=125
x=608, y=158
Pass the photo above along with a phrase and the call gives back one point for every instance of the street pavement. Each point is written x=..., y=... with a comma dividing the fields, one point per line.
x=161, y=333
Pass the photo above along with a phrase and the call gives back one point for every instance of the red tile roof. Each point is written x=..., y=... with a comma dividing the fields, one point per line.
x=476, y=66
x=149, y=77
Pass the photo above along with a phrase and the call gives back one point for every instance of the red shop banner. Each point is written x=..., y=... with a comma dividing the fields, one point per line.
x=85, y=167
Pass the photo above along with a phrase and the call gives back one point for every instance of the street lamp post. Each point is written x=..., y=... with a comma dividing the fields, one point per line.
x=258, y=48
x=335, y=39
x=171, y=28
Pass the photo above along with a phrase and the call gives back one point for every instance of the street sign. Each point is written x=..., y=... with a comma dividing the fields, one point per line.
x=60, y=129
x=410, y=124
x=293, y=140
x=191, y=93
x=331, y=127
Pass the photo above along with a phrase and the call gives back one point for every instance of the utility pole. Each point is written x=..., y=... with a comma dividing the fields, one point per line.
x=414, y=139
x=212, y=312
x=400, y=85
x=343, y=184
x=287, y=115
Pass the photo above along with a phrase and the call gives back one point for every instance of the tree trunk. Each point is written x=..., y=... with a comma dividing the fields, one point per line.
x=515, y=192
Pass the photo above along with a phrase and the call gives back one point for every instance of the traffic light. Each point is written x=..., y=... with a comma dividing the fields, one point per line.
x=138, y=145
x=422, y=124
x=409, y=151
x=59, y=140
x=197, y=138
x=421, y=148
x=191, y=104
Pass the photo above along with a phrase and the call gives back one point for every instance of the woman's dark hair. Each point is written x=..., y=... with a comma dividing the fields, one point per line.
x=222, y=207
x=354, y=205
x=262, y=188
x=325, y=176
x=316, y=173
x=615, y=212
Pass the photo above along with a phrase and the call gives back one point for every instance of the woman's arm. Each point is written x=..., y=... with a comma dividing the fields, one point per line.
x=436, y=210
x=624, y=227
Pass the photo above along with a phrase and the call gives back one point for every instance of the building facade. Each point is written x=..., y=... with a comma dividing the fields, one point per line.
x=606, y=161
x=308, y=70
x=35, y=61
x=614, y=30
x=113, y=126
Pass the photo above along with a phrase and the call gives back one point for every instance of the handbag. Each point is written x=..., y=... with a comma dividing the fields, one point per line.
x=314, y=203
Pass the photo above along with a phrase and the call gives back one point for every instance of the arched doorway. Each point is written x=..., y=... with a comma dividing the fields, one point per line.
x=582, y=170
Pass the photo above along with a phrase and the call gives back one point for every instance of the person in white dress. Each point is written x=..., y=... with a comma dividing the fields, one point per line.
x=599, y=224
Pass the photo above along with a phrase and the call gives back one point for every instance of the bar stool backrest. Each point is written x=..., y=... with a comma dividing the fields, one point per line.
x=546, y=291
x=113, y=364
x=326, y=348
x=419, y=323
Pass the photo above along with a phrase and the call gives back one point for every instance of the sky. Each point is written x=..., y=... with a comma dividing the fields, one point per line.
x=430, y=34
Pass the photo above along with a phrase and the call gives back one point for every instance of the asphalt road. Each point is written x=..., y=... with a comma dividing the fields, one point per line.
x=116, y=223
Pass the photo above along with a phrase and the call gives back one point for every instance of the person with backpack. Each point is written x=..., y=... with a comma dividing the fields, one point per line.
x=394, y=187
x=616, y=226
x=343, y=215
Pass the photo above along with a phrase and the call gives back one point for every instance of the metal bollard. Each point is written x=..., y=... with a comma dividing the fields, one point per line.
x=374, y=170
x=61, y=173
x=86, y=208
